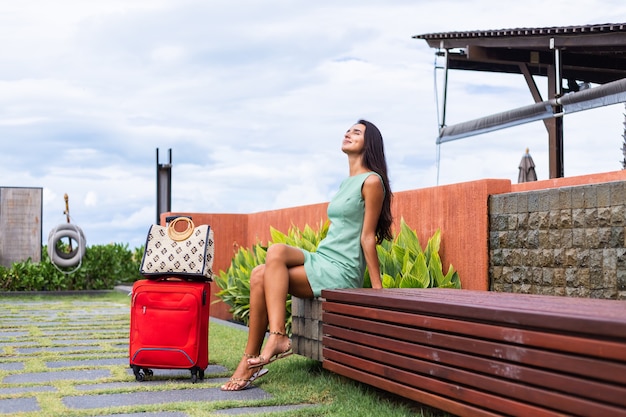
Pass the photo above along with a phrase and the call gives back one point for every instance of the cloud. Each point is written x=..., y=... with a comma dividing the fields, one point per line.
x=253, y=100
x=91, y=199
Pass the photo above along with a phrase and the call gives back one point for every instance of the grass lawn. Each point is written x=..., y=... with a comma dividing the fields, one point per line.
x=299, y=380
x=293, y=380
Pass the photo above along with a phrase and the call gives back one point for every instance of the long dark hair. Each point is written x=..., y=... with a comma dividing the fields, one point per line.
x=374, y=159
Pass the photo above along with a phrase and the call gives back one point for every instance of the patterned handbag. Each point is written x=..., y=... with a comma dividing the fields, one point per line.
x=187, y=254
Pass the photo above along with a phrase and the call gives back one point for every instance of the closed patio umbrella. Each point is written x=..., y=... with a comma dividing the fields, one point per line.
x=527, y=169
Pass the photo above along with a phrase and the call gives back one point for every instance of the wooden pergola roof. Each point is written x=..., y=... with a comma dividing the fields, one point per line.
x=576, y=56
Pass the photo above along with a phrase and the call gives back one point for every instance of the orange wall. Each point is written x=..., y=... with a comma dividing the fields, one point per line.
x=459, y=210
x=259, y=223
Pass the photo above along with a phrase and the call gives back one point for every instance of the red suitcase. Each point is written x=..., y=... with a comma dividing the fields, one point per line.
x=169, y=327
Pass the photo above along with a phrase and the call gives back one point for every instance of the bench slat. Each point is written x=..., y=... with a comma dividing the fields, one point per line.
x=563, y=362
x=519, y=382
x=604, y=318
x=491, y=403
x=601, y=348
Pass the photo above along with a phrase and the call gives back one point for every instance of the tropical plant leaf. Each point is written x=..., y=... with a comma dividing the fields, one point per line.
x=433, y=245
x=455, y=281
x=407, y=238
x=388, y=281
x=435, y=269
x=278, y=236
x=420, y=271
x=411, y=281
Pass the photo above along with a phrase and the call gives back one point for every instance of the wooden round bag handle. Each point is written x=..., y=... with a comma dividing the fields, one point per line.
x=180, y=236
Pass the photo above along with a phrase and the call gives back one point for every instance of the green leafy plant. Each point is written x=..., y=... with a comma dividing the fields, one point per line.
x=307, y=239
x=234, y=283
x=102, y=267
x=404, y=264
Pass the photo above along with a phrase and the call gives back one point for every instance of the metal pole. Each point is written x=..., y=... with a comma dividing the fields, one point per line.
x=556, y=133
x=445, y=90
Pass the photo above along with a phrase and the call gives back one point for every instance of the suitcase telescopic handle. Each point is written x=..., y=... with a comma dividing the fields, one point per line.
x=170, y=218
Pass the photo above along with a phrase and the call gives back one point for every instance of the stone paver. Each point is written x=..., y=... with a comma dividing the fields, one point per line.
x=11, y=366
x=18, y=405
x=258, y=410
x=157, y=414
x=10, y=334
x=88, y=362
x=26, y=351
x=20, y=390
x=38, y=377
x=169, y=396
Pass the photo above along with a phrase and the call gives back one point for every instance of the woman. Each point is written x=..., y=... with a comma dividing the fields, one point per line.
x=360, y=217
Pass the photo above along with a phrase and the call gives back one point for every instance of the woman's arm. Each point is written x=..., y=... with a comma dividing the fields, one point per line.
x=373, y=195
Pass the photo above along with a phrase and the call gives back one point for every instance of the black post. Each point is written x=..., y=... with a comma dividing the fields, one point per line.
x=164, y=186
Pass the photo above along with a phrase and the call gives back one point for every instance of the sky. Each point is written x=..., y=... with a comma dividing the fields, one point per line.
x=253, y=99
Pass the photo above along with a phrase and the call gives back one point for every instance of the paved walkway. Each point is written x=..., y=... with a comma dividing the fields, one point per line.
x=48, y=344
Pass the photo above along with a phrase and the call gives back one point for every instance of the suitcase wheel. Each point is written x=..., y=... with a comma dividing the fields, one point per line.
x=197, y=374
x=141, y=373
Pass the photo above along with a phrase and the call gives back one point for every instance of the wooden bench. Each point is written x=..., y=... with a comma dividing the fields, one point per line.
x=480, y=353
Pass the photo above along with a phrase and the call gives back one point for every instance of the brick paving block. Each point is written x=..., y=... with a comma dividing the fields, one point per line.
x=17, y=344
x=96, y=331
x=29, y=320
x=259, y=410
x=21, y=390
x=87, y=342
x=39, y=377
x=26, y=351
x=105, y=386
x=8, y=334
x=162, y=397
x=18, y=405
x=11, y=366
x=155, y=414
x=89, y=356
x=76, y=342
x=88, y=362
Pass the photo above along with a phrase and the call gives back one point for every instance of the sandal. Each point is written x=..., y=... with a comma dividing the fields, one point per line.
x=274, y=357
x=243, y=383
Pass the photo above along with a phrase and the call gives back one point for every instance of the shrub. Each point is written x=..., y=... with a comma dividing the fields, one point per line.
x=102, y=267
x=403, y=264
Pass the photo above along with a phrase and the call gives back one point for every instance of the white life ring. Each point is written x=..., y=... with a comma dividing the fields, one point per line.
x=72, y=232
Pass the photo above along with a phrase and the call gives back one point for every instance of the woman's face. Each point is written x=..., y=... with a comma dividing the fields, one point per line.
x=354, y=139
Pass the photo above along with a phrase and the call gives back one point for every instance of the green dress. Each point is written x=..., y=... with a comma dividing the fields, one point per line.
x=338, y=261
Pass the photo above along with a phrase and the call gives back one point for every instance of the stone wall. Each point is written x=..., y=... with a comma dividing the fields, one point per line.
x=306, y=327
x=567, y=241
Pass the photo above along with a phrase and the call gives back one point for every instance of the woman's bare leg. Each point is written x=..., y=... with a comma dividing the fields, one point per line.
x=257, y=322
x=284, y=273
x=257, y=326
